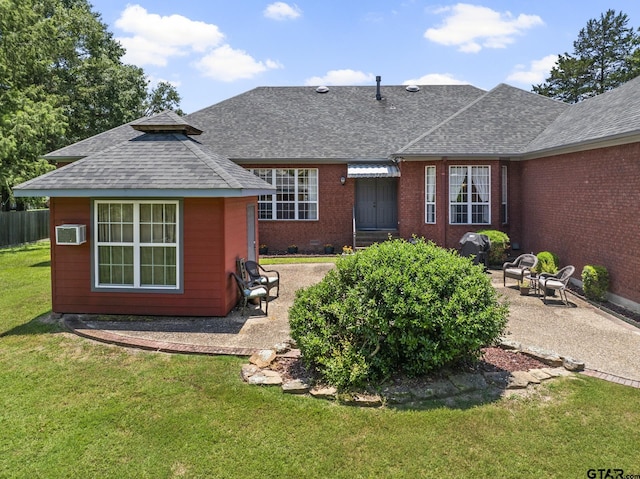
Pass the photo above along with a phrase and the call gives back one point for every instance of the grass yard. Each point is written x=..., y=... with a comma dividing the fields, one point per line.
x=71, y=408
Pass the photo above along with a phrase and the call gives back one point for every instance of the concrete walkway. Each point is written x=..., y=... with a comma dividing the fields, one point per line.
x=608, y=346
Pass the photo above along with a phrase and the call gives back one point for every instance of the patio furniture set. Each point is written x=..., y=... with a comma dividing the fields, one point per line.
x=543, y=284
x=255, y=283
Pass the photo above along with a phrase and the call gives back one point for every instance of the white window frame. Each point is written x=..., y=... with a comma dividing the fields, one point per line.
x=504, y=195
x=471, y=173
x=137, y=244
x=430, y=203
x=270, y=203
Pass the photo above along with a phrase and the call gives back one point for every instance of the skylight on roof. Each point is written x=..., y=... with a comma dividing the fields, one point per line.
x=322, y=89
x=412, y=88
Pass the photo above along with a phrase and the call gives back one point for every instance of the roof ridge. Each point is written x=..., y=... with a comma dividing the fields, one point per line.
x=207, y=160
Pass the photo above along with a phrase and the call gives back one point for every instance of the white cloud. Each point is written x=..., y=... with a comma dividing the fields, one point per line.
x=341, y=77
x=155, y=39
x=436, y=79
x=282, y=11
x=226, y=64
x=473, y=27
x=538, y=71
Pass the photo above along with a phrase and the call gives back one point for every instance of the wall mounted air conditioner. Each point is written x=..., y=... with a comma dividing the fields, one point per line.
x=71, y=234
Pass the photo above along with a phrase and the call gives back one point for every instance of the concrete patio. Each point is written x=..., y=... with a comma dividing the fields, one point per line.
x=608, y=346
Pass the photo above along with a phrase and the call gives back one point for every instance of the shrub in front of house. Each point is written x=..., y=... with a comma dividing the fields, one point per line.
x=595, y=282
x=547, y=262
x=395, y=307
x=499, y=246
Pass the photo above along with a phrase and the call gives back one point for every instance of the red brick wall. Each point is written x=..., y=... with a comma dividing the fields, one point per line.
x=213, y=236
x=584, y=207
x=411, y=209
x=334, y=215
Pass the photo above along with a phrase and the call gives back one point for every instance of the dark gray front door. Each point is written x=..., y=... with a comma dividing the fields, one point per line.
x=376, y=203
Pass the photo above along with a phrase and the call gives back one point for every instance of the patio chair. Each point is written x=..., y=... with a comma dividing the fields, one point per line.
x=519, y=268
x=248, y=292
x=266, y=277
x=557, y=282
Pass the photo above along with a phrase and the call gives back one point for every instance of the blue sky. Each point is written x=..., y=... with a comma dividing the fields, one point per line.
x=215, y=49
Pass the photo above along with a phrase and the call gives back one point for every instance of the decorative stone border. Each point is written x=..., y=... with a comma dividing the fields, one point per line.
x=488, y=385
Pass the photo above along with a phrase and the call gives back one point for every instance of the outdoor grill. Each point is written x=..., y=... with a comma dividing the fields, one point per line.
x=477, y=246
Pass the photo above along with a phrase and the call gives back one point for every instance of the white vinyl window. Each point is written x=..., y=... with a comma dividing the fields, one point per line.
x=296, y=197
x=504, y=211
x=430, y=194
x=470, y=195
x=136, y=244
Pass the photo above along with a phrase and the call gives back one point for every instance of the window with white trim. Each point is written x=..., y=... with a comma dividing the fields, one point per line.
x=503, y=211
x=430, y=194
x=136, y=244
x=470, y=195
x=296, y=197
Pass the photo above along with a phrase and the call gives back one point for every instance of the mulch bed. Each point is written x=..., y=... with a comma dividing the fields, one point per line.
x=494, y=359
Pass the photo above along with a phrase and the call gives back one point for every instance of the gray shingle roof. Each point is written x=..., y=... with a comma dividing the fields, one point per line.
x=299, y=123
x=168, y=163
x=609, y=115
x=348, y=123
x=500, y=123
x=345, y=122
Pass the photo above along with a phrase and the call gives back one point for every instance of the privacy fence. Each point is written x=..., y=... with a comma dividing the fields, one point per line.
x=18, y=227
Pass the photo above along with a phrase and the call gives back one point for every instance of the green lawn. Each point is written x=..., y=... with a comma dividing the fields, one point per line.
x=72, y=408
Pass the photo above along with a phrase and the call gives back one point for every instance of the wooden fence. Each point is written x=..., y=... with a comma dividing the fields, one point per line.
x=19, y=227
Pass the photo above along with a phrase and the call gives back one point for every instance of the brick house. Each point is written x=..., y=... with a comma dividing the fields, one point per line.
x=354, y=164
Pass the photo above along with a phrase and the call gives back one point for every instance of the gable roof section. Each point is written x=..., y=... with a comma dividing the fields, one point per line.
x=166, y=164
x=500, y=123
x=608, y=116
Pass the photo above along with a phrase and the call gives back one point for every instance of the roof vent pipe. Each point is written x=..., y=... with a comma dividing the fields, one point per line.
x=378, y=95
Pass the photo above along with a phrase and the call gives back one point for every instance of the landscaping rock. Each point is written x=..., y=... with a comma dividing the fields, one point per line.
x=571, y=364
x=498, y=378
x=547, y=357
x=263, y=358
x=439, y=389
x=296, y=386
x=468, y=382
x=520, y=380
x=248, y=370
x=540, y=374
x=324, y=392
x=266, y=377
x=363, y=400
x=510, y=344
x=281, y=348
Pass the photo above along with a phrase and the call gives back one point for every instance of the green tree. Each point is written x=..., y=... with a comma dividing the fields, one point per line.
x=61, y=80
x=163, y=97
x=605, y=55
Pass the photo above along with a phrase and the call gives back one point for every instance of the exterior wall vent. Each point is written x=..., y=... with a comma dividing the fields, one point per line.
x=322, y=89
x=412, y=88
x=71, y=234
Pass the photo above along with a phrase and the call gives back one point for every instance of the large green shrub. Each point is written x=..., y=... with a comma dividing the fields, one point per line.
x=499, y=246
x=395, y=307
x=595, y=282
x=547, y=263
